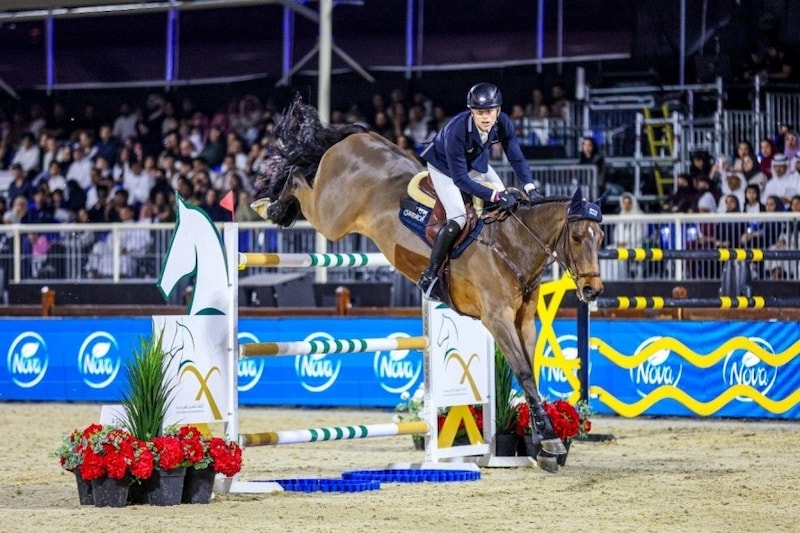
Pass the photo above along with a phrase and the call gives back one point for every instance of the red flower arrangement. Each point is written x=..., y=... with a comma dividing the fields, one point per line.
x=568, y=422
x=200, y=452
x=109, y=451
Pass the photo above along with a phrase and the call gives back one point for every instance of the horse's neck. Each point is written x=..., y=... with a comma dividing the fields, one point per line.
x=547, y=221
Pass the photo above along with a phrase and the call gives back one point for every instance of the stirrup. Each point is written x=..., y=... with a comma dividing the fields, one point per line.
x=431, y=287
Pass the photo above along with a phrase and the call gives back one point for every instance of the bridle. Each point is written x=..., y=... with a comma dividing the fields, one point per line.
x=565, y=263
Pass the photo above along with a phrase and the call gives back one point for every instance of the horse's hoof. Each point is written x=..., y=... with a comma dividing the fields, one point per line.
x=554, y=446
x=547, y=463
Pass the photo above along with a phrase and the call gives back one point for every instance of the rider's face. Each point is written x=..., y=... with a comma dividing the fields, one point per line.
x=485, y=118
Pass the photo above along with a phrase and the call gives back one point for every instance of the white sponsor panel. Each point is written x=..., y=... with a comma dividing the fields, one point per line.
x=200, y=345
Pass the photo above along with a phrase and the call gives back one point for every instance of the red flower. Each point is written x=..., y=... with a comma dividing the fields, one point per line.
x=227, y=456
x=522, y=426
x=168, y=452
x=564, y=417
x=144, y=462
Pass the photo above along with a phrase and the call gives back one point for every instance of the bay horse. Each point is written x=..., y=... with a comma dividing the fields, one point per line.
x=345, y=180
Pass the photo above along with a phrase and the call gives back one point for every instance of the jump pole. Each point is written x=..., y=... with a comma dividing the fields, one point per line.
x=238, y=261
x=299, y=436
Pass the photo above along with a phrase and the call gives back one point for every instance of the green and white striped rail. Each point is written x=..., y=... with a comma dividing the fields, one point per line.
x=720, y=254
x=299, y=436
x=251, y=260
x=322, y=346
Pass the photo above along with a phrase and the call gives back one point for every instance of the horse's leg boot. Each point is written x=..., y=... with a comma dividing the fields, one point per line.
x=429, y=283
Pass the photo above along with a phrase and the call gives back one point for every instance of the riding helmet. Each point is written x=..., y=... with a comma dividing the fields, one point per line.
x=484, y=96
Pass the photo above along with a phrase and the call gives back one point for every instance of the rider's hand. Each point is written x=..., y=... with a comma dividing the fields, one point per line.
x=504, y=199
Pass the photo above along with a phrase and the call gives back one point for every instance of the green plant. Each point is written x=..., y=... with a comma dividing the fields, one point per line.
x=148, y=388
x=505, y=411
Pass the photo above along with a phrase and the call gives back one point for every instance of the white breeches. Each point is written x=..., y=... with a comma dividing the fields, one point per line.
x=450, y=194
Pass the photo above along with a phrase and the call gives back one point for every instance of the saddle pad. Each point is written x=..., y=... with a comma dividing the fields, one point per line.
x=415, y=216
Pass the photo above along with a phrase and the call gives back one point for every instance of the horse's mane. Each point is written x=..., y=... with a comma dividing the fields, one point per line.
x=301, y=140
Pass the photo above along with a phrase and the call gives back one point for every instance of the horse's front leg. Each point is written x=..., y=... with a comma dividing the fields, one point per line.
x=541, y=425
x=502, y=324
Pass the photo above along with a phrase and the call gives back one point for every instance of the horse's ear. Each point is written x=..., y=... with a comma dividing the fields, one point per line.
x=576, y=205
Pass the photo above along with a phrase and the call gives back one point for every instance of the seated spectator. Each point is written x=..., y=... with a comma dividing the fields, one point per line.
x=591, y=155
x=744, y=148
x=752, y=172
x=684, y=197
x=791, y=146
x=767, y=152
x=20, y=184
x=27, y=155
x=732, y=185
x=629, y=234
x=18, y=212
x=782, y=184
x=134, y=244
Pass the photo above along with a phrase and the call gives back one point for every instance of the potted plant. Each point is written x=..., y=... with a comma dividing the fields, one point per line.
x=70, y=457
x=505, y=408
x=148, y=388
x=108, y=457
x=410, y=409
x=210, y=456
x=146, y=397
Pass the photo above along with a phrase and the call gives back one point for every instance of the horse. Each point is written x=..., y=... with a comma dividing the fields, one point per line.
x=197, y=243
x=347, y=180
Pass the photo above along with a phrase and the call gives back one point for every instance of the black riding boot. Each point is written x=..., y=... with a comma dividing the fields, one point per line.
x=429, y=282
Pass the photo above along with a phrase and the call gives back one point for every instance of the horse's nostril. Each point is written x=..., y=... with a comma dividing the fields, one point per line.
x=589, y=293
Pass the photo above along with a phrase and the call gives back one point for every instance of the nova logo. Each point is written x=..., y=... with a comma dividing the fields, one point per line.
x=553, y=379
x=658, y=370
x=317, y=372
x=742, y=367
x=27, y=359
x=395, y=370
x=99, y=359
x=249, y=369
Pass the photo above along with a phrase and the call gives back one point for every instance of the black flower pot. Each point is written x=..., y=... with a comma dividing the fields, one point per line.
x=419, y=442
x=110, y=492
x=562, y=459
x=505, y=444
x=84, y=490
x=165, y=487
x=198, y=485
x=528, y=446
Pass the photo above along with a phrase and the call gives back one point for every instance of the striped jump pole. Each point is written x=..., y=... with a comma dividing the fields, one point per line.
x=723, y=302
x=720, y=254
x=299, y=436
x=328, y=346
x=250, y=260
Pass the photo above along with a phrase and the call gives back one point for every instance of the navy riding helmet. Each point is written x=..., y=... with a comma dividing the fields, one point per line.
x=484, y=96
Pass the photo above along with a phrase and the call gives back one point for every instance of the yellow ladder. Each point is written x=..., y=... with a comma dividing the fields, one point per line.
x=661, y=140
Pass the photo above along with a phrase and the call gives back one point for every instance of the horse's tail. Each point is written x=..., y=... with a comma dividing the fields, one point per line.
x=302, y=141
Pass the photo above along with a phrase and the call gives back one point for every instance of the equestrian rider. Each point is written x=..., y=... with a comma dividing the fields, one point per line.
x=458, y=162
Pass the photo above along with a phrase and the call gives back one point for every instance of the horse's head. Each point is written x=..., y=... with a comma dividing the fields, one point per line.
x=583, y=240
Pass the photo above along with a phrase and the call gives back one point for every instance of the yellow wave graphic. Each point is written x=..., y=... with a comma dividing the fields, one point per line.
x=696, y=406
x=698, y=360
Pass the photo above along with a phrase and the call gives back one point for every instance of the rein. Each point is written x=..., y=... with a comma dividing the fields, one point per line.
x=527, y=284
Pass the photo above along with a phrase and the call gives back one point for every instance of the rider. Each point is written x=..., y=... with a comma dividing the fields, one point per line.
x=458, y=161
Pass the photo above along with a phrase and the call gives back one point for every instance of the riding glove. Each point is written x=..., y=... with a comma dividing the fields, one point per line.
x=504, y=199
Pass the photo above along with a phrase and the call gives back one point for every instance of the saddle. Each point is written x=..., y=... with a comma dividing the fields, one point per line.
x=423, y=213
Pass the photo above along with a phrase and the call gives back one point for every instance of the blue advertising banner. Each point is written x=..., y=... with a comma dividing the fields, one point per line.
x=637, y=367
x=651, y=367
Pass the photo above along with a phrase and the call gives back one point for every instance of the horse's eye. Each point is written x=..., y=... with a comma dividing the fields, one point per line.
x=576, y=238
